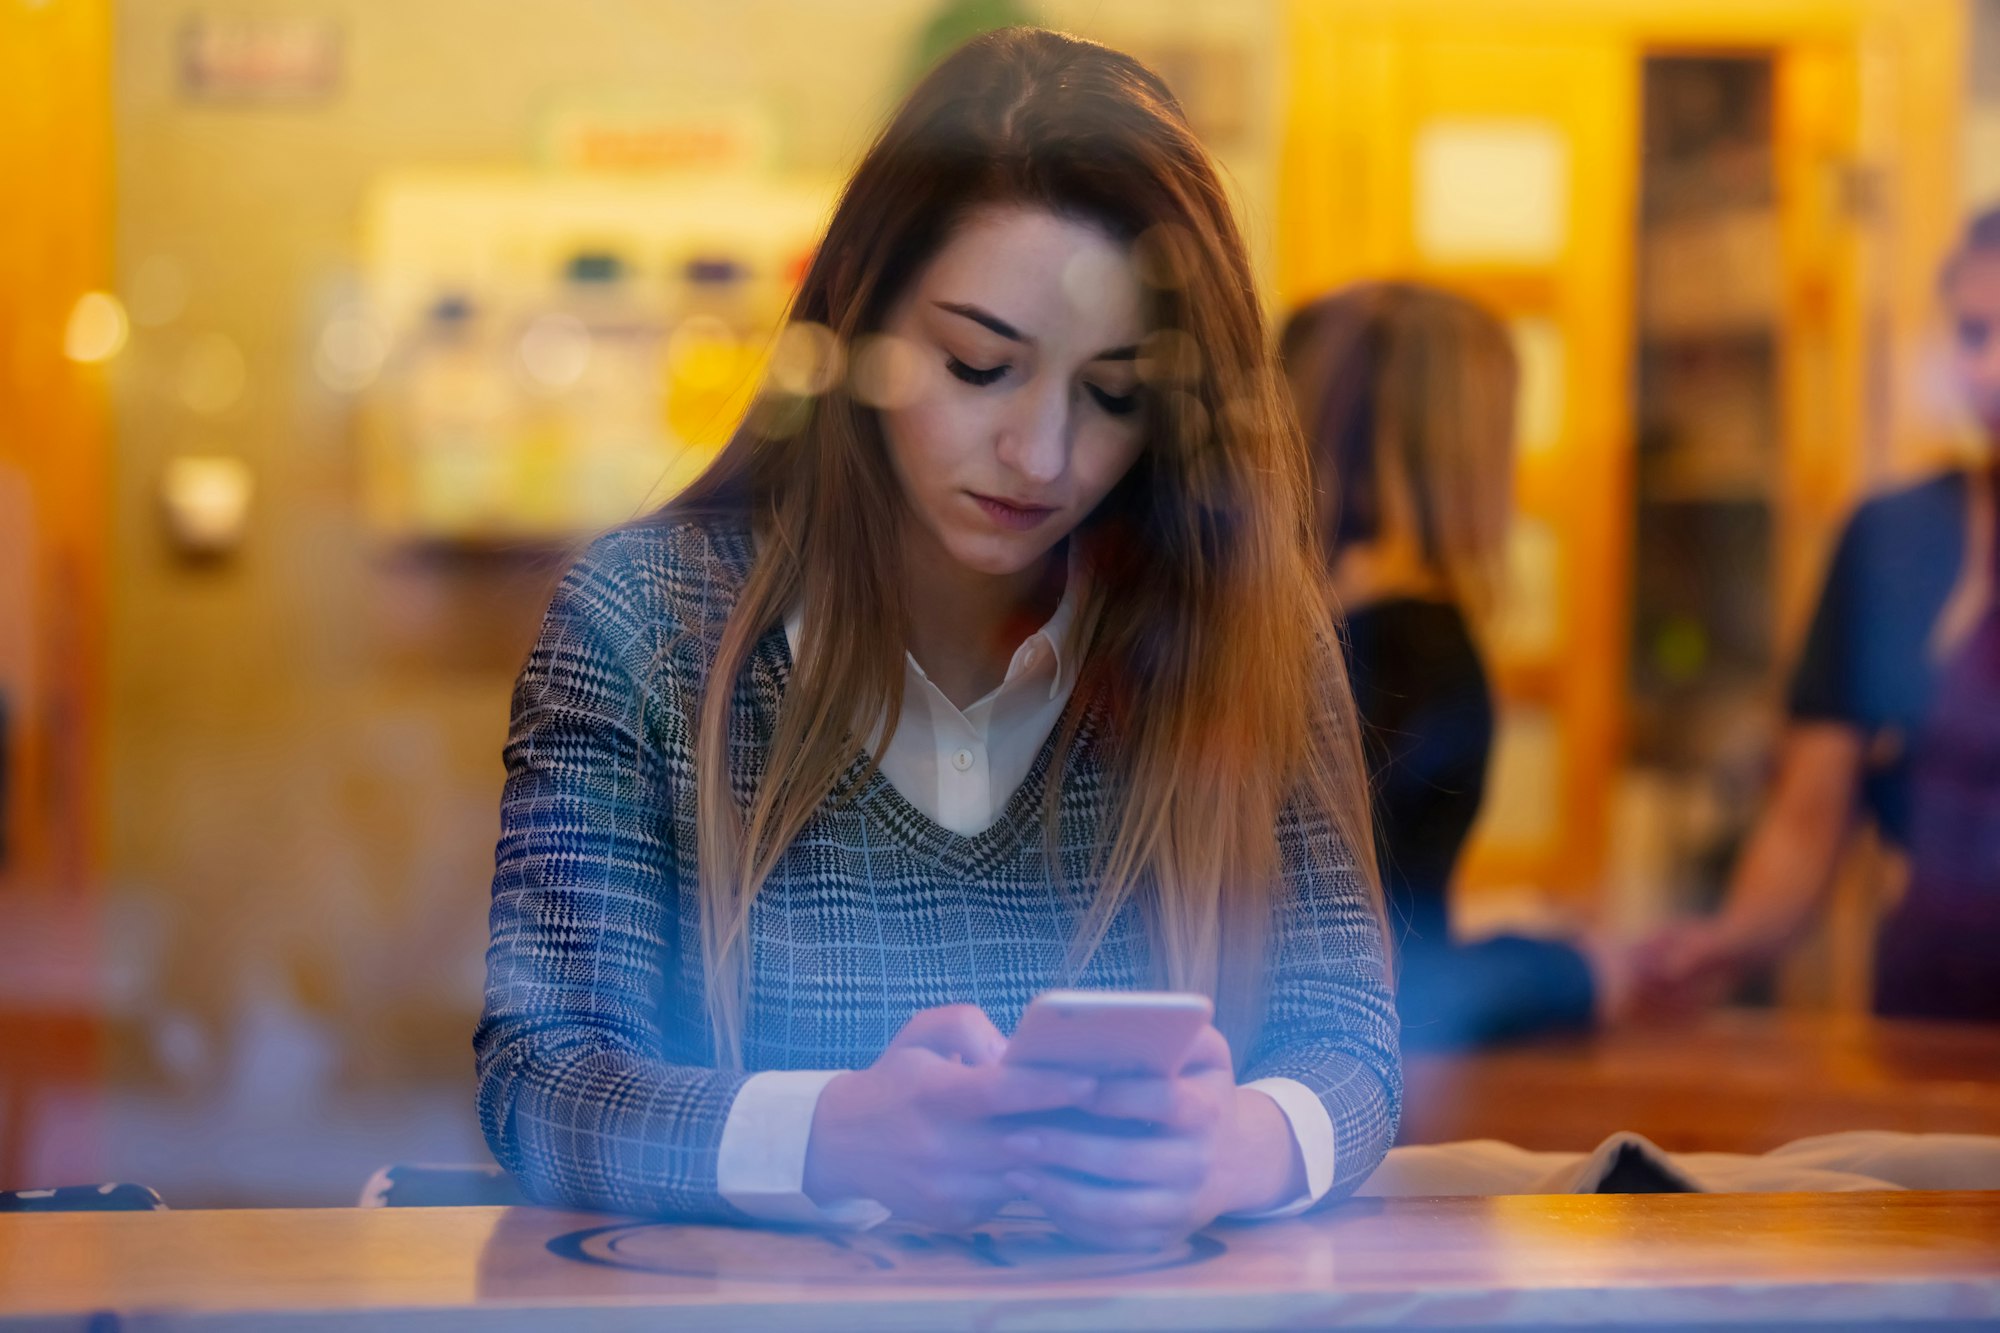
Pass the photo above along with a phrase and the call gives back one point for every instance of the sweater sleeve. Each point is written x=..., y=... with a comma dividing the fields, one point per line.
x=1330, y=1021
x=575, y=1098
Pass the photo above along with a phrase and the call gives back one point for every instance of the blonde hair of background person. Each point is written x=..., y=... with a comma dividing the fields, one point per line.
x=1788, y=867
x=1054, y=359
x=1407, y=392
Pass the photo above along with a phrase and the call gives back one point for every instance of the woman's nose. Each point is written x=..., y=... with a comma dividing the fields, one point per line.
x=1034, y=441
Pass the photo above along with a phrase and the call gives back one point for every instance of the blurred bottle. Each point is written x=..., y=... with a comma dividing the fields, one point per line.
x=601, y=356
x=713, y=359
x=458, y=410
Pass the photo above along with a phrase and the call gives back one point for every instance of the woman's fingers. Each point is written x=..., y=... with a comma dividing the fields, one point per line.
x=1004, y=1090
x=1184, y=1104
x=955, y=1031
x=1172, y=1161
x=1119, y=1217
x=957, y=1199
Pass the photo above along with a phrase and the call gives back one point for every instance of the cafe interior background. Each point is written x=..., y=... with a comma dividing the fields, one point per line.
x=328, y=328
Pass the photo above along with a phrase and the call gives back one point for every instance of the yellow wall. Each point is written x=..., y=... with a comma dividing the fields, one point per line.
x=54, y=247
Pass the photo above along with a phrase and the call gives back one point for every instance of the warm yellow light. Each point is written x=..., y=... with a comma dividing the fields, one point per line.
x=207, y=499
x=97, y=328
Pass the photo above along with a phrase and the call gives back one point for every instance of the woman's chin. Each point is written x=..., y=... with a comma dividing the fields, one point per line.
x=1000, y=555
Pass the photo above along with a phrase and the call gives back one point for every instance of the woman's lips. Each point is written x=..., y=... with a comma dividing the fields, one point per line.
x=1017, y=518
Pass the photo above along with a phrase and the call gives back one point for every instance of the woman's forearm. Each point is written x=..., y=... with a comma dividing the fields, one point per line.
x=1790, y=863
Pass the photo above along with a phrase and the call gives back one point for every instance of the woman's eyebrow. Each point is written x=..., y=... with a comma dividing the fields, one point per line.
x=988, y=320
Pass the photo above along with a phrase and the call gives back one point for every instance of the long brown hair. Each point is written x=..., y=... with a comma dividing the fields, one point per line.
x=1213, y=659
x=1407, y=395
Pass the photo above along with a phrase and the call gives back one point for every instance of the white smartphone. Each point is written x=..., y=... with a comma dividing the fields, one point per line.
x=1111, y=1032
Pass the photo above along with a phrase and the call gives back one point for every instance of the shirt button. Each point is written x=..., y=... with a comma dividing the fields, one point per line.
x=962, y=760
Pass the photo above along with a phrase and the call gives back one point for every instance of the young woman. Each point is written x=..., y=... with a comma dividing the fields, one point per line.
x=1407, y=395
x=1895, y=712
x=996, y=664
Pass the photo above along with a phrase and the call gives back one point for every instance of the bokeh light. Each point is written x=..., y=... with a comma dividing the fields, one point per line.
x=351, y=351
x=97, y=328
x=1170, y=358
x=555, y=350
x=885, y=372
x=807, y=360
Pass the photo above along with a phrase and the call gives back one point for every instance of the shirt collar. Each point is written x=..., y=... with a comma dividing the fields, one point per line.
x=1065, y=644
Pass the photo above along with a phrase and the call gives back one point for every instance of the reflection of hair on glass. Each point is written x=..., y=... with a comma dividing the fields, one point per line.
x=1407, y=397
x=1211, y=651
x=1981, y=237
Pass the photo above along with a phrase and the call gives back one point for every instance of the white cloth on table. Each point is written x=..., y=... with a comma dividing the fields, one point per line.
x=1855, y=1160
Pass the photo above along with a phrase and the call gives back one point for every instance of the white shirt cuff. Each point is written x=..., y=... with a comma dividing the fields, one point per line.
x=761, y=1166
x=1312, y=1131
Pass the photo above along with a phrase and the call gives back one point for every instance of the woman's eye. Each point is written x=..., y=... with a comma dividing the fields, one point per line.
x=974, y=374
x=1115, y=404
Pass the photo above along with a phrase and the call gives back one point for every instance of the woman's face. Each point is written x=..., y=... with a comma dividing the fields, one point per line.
x=1021, y=406
x=1975, y=315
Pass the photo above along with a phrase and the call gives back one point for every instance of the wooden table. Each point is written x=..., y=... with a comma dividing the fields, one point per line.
x=1801, y=1261
x=1739, y=1081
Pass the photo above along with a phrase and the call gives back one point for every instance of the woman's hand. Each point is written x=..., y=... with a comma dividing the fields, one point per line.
x=916, y=1131
x=1691, y=965
x=1214, y=1148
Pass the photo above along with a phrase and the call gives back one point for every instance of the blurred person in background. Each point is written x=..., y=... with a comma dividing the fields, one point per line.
x=1406, y=394
x=996, y=664
x=1894, y=711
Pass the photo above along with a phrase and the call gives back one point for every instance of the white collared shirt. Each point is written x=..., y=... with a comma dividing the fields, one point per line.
x=959, y=767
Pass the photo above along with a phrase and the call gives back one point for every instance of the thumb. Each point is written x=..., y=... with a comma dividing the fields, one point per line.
x=954, y=1031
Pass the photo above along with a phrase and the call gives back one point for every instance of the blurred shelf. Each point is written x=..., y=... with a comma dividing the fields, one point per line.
x=1698, y=491
x=1711, y=272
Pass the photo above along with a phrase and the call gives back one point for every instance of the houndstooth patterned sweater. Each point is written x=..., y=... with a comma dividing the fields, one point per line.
x=598, y=1085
